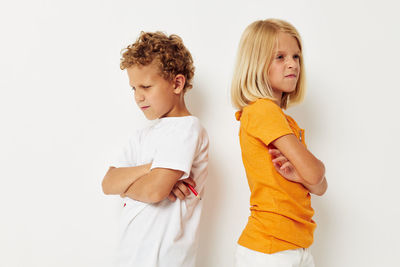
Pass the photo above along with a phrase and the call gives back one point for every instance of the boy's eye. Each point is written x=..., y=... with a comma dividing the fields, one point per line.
x=133, y=88
x=145, y=87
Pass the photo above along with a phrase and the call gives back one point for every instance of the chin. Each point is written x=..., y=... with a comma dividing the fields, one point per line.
x=289, y=91
x=151, y=118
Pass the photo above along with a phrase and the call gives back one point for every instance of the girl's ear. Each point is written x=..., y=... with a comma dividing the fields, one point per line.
x=179, y=83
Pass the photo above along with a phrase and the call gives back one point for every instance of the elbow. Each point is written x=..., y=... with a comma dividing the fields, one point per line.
x=322, y=192
x=316, y=179
x=322, y=189
x=319, y=193
x=105, y=187
x=318, y=175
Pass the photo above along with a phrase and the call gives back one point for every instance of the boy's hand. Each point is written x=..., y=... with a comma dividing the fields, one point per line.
x=180, y=189
x=283, y=166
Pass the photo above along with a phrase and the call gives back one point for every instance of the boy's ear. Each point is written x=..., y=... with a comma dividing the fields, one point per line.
x=179, y=83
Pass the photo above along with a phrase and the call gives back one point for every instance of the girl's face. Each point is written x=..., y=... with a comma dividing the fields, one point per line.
x=284, y=69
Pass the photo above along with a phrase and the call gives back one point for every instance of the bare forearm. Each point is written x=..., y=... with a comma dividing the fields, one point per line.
x=140, y=190
x=117, y=180
x=154, y=186
x=314, y=173
x=306, y=164
x=318, y=189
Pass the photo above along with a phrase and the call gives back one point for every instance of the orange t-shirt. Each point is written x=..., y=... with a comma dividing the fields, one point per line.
x=281, y=212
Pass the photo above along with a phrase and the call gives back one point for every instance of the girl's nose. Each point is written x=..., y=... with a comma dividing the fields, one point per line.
x=292, y=63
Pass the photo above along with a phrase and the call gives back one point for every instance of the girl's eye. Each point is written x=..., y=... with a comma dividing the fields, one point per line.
x=279, y=57
x=296, y=56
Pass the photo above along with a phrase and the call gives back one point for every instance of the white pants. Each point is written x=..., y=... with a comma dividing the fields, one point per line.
x=289, y=258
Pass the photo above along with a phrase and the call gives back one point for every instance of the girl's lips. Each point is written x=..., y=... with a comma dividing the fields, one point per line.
x=291, y=76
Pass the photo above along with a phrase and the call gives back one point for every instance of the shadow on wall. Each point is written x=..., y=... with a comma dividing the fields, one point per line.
x=310, y=115
x=196, y=101
x=322, y=247
x=208, y=229
x=197, y=104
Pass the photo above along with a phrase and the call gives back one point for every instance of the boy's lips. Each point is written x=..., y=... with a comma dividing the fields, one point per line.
x=144, y=107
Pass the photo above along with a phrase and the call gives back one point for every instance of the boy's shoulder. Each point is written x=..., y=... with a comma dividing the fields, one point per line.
x=190, y=123
x=181, y=128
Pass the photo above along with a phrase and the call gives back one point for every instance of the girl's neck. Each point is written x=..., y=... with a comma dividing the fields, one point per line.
x=278, y=98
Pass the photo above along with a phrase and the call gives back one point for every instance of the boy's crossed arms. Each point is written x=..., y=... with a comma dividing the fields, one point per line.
x=145, y=185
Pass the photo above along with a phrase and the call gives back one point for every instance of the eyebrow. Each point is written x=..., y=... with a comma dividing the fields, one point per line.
x=140, y=85
x=282, y=52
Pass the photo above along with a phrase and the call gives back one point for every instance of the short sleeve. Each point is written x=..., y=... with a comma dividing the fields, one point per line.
x=178, y=148
x=127, y=156
x=266, y=121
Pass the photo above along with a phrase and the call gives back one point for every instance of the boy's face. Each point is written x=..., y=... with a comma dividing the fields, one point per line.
x=153, y=94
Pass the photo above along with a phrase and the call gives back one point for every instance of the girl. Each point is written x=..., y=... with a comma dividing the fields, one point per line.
x=281, y=172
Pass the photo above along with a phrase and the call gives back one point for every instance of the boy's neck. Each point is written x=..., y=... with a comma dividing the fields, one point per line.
x=178, y=110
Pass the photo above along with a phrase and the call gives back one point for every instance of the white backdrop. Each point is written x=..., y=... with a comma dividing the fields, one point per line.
x=66, y=107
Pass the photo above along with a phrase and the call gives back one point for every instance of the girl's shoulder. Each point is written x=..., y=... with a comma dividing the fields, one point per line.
x=261, y=112
x=292, y=121
x=263, y=107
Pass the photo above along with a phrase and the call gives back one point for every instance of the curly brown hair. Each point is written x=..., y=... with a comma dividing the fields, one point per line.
x=169, y=52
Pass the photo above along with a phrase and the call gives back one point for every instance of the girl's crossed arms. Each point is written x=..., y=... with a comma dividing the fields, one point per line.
x=296, y=163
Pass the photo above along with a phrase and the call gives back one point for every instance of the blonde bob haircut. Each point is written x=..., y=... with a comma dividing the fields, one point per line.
x=250, y=79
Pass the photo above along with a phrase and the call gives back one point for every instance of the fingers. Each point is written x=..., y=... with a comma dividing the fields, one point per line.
x=171, y=197
x=277, y=167
x=286, y=165
x=274, y=152
x=280, y=160
x=189, y=181
x=183, y=188
x=180, y=190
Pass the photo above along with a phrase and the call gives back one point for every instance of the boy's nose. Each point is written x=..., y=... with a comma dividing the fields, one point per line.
x=139, y=97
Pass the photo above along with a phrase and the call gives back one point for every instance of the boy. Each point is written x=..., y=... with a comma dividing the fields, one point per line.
x=160, y=217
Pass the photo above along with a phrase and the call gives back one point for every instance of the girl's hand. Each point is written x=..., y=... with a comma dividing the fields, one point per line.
x=180, y=190
x=283, y=166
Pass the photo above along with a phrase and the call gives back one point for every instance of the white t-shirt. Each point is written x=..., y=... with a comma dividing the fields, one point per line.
x=164, y=234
